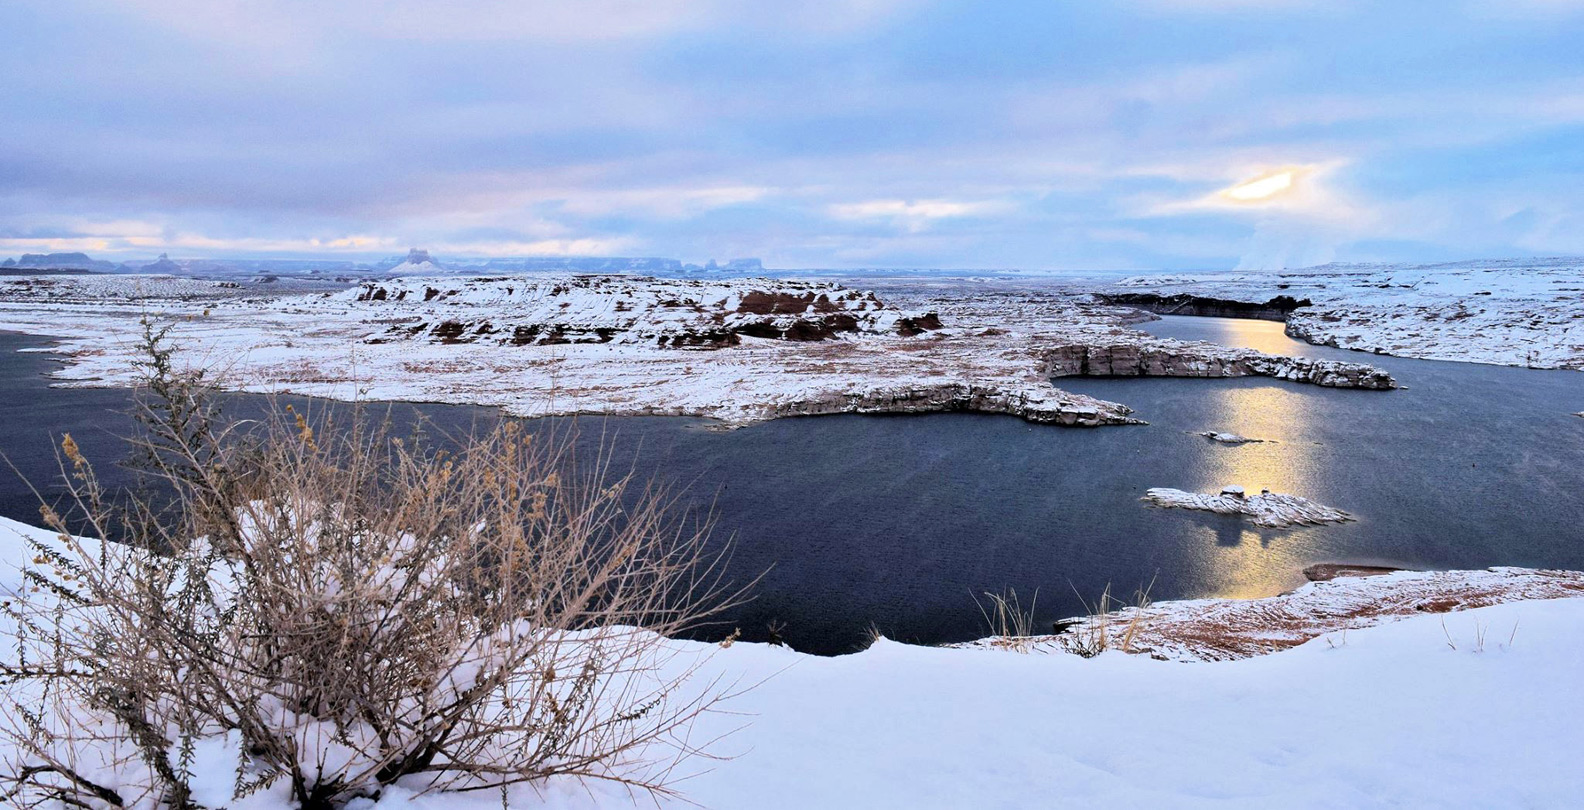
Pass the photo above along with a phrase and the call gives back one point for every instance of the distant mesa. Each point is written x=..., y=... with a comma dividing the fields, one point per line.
x=417, y=261
x=54, y=264
x=733, y=267
x=161, y=265
x=62, y=261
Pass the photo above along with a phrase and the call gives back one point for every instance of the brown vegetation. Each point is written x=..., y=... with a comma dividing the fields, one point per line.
x=344, y=608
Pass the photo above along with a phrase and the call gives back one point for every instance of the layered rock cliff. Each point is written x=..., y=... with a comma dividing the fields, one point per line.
x=1170, y=358
x=1043, y=405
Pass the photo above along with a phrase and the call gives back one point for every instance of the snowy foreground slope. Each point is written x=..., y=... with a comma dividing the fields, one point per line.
x=1478, y=708
x=738, y=351
x=1516, y=313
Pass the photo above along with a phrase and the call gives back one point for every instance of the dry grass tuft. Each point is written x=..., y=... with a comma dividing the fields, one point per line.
x=1011, y=626
x=1111, y=624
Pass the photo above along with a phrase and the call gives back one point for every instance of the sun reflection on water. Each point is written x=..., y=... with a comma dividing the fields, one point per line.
x=1241, y=560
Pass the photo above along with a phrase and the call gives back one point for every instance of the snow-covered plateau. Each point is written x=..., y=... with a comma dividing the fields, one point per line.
x=1448, y=689
x=1516, y=313
x=737, y=351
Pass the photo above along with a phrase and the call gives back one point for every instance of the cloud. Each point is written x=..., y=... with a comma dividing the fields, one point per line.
x=611, y=246
x=1031, y=133
x=116, y=243
x=663, y=203
x=285, y=22
x=917, y=214
x=1295, y=190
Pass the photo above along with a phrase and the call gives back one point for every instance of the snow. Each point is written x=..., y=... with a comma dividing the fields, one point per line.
x=1470, y=709
x=1269, y=509
x=1517, y=313
x=1341, y=599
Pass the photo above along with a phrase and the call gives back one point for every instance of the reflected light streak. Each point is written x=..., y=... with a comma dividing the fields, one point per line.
x=1247, y=562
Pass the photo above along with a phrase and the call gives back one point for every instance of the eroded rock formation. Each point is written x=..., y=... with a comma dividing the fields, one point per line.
x=624, y=309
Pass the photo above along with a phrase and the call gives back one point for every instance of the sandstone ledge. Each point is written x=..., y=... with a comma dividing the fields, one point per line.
x=1169, y=358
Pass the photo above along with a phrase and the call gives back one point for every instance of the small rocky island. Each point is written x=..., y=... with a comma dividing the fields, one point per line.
x=1220, y=437
x=1272, y=510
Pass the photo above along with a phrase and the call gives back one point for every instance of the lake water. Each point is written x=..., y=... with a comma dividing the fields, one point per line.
x=897, y=522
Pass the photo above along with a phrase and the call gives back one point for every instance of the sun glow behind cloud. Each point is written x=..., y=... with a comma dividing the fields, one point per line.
x=1263, y=188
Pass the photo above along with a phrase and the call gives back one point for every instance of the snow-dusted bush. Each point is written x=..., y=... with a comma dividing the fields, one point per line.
x=336, y=608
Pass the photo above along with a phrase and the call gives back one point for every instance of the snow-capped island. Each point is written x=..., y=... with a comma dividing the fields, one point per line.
x=1272, y=510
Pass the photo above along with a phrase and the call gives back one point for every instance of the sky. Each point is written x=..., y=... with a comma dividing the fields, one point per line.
x=1116, y=135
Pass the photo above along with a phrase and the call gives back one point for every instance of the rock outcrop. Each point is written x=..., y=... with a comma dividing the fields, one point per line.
x=1040, y=405
x=1229, y=438
x=1167, y=358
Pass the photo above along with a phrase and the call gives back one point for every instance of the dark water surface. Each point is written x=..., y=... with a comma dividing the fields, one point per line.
x=895, y=522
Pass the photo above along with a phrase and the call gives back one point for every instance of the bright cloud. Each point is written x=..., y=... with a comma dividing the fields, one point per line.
x=1263, y=188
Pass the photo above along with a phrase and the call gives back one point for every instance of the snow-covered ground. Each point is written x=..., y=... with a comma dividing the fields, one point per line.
x=1478, y=708
x=737, y=351
x=1517, y=313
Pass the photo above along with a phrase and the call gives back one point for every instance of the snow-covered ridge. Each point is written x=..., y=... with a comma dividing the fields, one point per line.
x=1517, y=313
x=625, y=309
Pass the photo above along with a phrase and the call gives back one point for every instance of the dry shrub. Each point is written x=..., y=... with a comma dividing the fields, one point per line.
x=339, y=608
